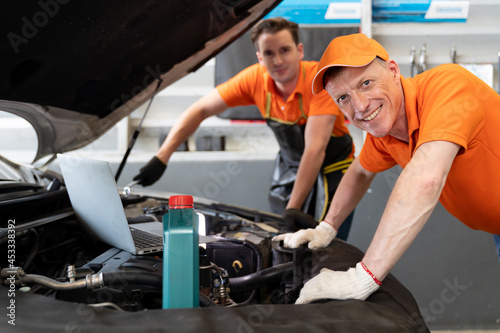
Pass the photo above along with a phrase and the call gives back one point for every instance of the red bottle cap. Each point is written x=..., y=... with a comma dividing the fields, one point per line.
x=180, y=201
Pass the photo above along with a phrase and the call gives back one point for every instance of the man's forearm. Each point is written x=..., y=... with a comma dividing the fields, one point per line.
x=209, y=105
x=350, y=191
x=316, y=137
x=180, y=132
x=406, y=213
x=410, y=204
x=307, y=173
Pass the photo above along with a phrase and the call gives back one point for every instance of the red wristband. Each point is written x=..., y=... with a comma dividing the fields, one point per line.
x=371, y=274
x=331, y=225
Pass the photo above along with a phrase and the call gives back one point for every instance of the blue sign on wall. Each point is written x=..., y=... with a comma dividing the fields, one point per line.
x=349, y=11
x=319, y=11
x=420, y=10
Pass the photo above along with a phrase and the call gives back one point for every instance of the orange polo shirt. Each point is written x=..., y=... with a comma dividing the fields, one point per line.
x=449, y=103
x=251, y=86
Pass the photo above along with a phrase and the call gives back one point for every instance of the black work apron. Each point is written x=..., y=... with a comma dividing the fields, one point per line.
x=290, y=137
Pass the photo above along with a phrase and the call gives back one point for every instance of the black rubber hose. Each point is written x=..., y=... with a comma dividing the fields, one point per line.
x=260, y=278
x=238, y=284
x=113, y=278
x=119, y=278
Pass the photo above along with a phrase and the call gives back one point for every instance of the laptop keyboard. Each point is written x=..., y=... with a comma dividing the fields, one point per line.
x=143, y=239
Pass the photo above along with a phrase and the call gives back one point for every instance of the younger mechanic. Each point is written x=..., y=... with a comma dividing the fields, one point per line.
x=441, y=126
x=309, y=128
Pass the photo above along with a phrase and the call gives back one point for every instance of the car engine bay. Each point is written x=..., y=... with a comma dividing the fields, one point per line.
x=59, y=259
x=56, y=271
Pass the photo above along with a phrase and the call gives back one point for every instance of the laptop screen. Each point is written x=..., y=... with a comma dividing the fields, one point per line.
x=95, y=199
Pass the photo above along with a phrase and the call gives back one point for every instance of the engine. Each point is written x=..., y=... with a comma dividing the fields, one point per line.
x=60, y=260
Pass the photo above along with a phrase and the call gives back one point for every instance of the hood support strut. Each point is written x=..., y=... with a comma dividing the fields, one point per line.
x=136, y=133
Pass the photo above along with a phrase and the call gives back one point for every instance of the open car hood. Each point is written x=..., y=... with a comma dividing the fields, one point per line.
x=74, y=69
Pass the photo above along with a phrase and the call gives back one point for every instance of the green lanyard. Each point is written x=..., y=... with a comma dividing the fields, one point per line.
x=269, y=97
x=268, y=110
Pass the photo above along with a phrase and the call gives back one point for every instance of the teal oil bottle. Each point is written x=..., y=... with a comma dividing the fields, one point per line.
x=180, y=254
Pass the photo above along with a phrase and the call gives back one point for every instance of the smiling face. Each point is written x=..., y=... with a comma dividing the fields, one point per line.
x=280, y=55
x=371, y=97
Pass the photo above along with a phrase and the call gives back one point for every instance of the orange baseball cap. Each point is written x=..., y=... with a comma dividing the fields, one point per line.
x=354, y=50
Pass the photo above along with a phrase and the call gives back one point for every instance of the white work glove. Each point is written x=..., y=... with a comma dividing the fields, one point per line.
x=355, y=283
x=319, y=237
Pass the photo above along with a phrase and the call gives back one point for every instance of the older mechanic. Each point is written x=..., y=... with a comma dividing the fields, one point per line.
x=441, y=126
x=310, y=129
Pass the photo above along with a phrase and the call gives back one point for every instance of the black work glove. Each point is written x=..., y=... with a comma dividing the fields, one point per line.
x=295, y=219
x=151, y=172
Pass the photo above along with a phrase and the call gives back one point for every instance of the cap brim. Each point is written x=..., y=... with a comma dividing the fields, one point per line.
x=360, y=61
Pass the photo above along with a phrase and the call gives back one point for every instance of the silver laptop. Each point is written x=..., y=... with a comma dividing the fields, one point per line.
x=95, y=199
